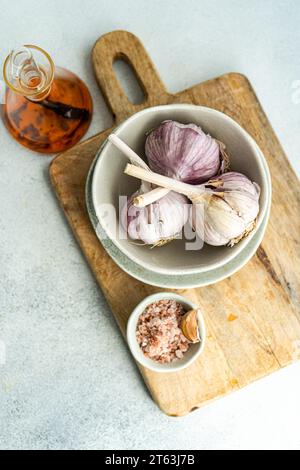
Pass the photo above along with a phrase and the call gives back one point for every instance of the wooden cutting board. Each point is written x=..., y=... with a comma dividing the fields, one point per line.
x=253, y=317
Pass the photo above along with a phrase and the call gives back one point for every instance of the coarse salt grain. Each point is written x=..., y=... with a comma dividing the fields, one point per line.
x=158, y=331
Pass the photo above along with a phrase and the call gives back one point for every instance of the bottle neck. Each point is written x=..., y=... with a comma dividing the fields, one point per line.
x=37, y=93
x=29, y=71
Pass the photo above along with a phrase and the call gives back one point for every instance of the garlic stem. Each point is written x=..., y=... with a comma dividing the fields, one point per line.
x=189, y=190
x=126, y=150
x=148, y=198
x=153, y=195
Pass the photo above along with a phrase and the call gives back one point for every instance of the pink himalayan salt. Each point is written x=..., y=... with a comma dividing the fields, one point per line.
x=158, y=331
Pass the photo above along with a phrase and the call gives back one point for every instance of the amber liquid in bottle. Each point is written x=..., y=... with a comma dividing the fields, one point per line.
x=49, y=118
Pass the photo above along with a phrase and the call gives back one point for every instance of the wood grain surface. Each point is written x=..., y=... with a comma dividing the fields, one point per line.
x=253, y=317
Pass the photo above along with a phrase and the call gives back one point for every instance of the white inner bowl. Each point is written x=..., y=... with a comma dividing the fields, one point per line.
x=194, y=351
x=109, y=182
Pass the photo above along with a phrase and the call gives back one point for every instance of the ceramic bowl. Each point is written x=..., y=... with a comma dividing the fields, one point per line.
x=194, y=351
x=174, y=281
x=109, y=181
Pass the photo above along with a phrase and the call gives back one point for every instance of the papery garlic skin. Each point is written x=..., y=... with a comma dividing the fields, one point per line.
x=157, y=223
x=183, y=152
x=226, y=216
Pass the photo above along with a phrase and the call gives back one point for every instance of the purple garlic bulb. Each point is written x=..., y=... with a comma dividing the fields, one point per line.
x=184, y=152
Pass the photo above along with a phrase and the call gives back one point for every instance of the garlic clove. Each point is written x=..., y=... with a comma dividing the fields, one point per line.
x=190, y=326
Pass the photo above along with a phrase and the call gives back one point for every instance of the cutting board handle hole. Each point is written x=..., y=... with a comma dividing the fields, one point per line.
x=129, y=81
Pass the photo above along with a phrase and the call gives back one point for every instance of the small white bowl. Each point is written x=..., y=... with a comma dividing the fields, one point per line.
x=109, y=182
x=194, y=351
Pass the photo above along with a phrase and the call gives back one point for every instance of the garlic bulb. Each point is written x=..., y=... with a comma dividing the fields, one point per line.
x=184, y=152
x=229, y=214
x=224, y=209
x=158, y=223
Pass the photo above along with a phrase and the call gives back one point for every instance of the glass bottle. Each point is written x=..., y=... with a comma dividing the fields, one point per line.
x=47, y=108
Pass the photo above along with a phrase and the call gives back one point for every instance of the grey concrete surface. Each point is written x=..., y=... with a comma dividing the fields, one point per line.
x=67, y=380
